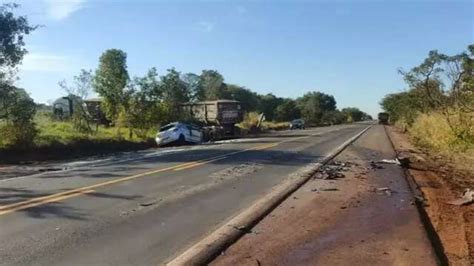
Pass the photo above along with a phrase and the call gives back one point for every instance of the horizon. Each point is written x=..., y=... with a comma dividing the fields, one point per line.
x=346, y=49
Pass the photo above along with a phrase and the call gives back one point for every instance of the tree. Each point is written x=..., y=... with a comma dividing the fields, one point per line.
x=445, y=85
x=110, y=81
x=287, y=111
x=194, y=87
x=248, y=99
x=13, y=29
x=212, y=83
x=17, y=109
x=353, y=114
x=146, y=108
x=174, y=91
x=268, y=105
x=333, y=118
x=78, y=93
x=313, y=105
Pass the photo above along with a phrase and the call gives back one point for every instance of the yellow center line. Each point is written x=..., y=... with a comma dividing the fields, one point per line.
x=88, y=189
x=34, y=204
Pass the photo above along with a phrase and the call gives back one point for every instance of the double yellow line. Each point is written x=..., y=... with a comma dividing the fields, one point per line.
x=5, y=209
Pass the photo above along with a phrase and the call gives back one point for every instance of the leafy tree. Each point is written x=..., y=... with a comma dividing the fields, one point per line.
x=174, y=91
x=194, y=86
x=353, y=114
x=445, y=85
x=17, y=110
x=79, y=92
x=12, y=44
x=110, y=81
x=16, y=107
x=212, y=83
x=268, y=105
x=249, y=100
x=287, y=111
x=333, y=118
x=313, y=105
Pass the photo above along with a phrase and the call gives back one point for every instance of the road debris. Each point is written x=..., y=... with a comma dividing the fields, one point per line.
x=245, y=229
x=389, y=161
x=237, y=171
x=385, y=190
x=329, y=189
x=149, y=203
x=467, y=197
x=333, y=170
x=374, y=165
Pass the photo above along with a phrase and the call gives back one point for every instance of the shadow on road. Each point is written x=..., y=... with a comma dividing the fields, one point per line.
x=52, y=209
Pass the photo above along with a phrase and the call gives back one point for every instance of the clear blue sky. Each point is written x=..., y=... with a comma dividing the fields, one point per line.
x=350, y=49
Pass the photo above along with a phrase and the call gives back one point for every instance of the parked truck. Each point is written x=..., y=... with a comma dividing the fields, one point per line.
x=63, y=108
x=383, y=118
x=217, y=118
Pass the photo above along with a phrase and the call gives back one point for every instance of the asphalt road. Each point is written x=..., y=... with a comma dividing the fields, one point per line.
x=144, y=208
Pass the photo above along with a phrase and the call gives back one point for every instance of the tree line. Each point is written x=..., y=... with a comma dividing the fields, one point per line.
x=143, y=102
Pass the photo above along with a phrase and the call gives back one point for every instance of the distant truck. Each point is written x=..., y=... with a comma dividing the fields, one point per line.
x=217, y=118
x=63, y=108
x=383, y=118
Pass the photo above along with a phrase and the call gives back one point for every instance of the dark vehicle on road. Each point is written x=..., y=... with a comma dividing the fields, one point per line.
x=217, y=118
x=383, y=118
x=297, y=124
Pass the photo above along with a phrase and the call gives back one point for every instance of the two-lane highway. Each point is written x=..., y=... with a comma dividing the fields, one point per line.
x=146, y=208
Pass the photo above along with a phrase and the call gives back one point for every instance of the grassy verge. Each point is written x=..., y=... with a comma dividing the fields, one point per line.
x=433, y=133
x=57, y=140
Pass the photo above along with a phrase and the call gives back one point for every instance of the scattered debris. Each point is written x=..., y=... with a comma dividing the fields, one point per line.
x=149, y=203
x=329, y=189
x=385, y=190
x=237, y=171
x=242, y=228
x=390, y=161
x=466, y=198
x=333, y=170
x=374, y=165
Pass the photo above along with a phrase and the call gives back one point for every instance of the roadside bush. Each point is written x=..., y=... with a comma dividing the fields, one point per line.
x=433, y=131
x=276, y=125
x=16, y=117
x=250, y=121
x=21, y=135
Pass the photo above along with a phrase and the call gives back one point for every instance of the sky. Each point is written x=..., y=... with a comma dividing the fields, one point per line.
x=349, y=49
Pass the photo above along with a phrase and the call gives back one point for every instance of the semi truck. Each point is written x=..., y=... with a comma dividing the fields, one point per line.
x=216, y=118
x=63, y=108
x=383, y=118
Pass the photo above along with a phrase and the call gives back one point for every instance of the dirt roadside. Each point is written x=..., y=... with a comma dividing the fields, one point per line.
x=441, y=181
x=353, y=211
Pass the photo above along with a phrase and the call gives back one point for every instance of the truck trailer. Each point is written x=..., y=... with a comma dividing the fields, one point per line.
x=217, y=118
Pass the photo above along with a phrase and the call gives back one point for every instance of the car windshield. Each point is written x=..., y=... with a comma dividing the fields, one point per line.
x=167, y=127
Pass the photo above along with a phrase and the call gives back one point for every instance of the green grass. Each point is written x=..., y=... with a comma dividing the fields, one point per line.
x=52, y=132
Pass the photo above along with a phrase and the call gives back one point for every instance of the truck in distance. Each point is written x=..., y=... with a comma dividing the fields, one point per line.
x=217, y=118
